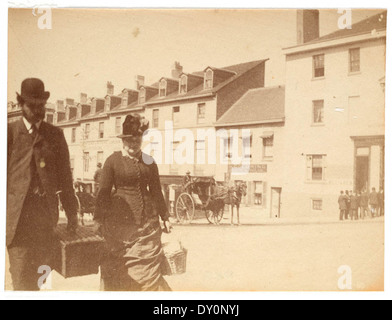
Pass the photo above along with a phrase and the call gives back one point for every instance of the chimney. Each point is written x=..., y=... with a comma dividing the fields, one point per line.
x=60, y=105
x=177, y=70
x=308, y=25
x=83, y=98
x=110, y=88
x=139, y=82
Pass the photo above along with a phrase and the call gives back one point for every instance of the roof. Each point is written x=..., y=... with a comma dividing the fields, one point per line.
x=237, y=70
x=377, y=22
x=261, y=105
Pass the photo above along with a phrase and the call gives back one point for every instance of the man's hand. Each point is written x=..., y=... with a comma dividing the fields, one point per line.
x=168, y=227
x=73, y=224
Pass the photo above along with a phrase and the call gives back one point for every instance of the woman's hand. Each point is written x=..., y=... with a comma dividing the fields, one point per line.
x=168, y=227
x=97, y=228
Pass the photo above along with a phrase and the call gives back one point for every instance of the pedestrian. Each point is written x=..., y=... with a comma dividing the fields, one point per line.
x=342, y=205
x=129, y=218
x=38, y=169
x=97, y=178
x=373, y=201
x=347, y=195
x=354, y=205
x=364, y=203
x=381, y=201
x=187, y=182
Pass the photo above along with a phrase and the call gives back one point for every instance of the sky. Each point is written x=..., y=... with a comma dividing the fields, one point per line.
x=88, y=47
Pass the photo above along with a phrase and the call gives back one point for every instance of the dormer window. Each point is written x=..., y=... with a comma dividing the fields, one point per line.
x=162, y=88
x=183, y=84
x=142, y=95
x=107, y=103
x=124, y=101
x=208, y=79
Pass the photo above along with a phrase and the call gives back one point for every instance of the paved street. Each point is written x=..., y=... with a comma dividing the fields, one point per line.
x=271, y=257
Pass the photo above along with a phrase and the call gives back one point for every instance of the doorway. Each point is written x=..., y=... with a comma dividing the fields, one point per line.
x=362, y=174
x=276, y=195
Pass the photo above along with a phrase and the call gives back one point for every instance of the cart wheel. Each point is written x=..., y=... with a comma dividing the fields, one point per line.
x=185, y=208
x=214, y=217
x=80, y=213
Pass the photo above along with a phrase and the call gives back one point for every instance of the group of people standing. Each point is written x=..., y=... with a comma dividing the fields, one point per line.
x=361, y=205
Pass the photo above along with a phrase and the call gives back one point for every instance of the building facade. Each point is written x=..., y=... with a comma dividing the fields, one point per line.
x=335, y=110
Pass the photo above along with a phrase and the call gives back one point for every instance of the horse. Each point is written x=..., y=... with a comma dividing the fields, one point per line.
x=234, y=199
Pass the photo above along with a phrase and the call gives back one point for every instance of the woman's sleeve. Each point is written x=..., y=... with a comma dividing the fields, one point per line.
x=156, y=192
x=103, y=200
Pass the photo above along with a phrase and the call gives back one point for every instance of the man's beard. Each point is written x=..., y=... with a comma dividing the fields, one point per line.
x=34, y=117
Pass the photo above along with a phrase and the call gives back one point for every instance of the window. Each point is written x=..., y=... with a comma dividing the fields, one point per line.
x=228, y=146
x=142, y=95
x=124, y=102
x=86, y=162
x=155, y=118
x=100, y=157
x=87, y=131
x=200, y=152
x=247, y=143
x=107, y=103
x=183, y=85
x=118, y=126
x=174, y=168
x=49, y=118
x=162, y=88
x=176, y=115
x=101, y=132
x=201, y=113
x=316, y=167
x=318, y=66
x=268, y=144
x=258, y=193
x=355, y=60
x=73, y=137
x=208, y=79
x=317, y=204
x=318, y=112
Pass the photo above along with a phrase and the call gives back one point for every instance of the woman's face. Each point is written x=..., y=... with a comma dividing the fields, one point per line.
x=132, y=145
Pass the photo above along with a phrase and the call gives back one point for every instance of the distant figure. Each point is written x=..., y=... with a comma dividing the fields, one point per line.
x=373, y=201
x=347, y=195
x=186, y=183
x=364, y=203
x=381, y=200
x=354, y=205
x=342, y=205
x=97, y=178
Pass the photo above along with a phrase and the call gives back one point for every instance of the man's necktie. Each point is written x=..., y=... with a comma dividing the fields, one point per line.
x=34, y=131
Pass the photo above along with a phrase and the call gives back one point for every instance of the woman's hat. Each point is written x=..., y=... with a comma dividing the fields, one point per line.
x=134, y=126
x=33, y=91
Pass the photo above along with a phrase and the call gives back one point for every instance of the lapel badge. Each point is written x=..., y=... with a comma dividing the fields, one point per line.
x=42, y=164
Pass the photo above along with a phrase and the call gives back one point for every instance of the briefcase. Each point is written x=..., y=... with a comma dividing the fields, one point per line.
x=77, y=254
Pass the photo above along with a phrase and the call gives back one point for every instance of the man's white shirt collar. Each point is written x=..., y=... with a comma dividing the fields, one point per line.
x=29, y=126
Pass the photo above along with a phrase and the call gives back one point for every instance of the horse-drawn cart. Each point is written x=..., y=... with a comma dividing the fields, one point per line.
x=198, y=196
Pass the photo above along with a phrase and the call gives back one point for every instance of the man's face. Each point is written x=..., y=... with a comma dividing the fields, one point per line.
x=33, y=112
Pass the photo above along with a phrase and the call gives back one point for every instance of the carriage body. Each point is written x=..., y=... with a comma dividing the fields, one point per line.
x=199, y=198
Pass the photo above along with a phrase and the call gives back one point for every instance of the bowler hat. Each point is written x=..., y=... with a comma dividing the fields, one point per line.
x=33, y=91
x=134, y=126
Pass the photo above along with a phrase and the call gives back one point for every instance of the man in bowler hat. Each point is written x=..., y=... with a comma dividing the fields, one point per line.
x=38, y=170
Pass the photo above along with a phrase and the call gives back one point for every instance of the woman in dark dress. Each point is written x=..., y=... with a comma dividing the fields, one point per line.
x=129, y=216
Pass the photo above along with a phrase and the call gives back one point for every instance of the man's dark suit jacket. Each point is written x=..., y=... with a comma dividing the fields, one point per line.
x=51, y=157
